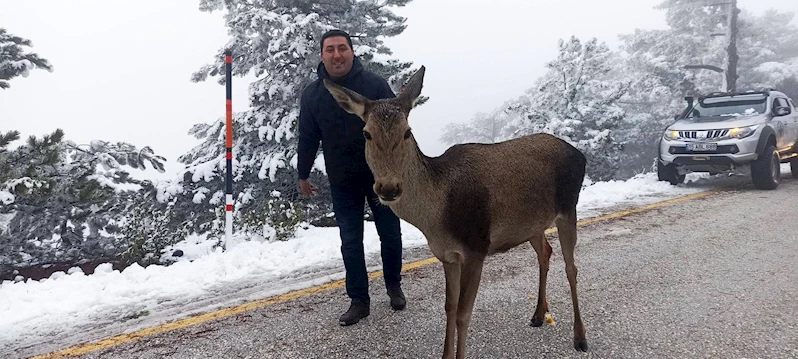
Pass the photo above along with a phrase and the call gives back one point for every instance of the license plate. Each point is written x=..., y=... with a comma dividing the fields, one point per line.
x=702, y=147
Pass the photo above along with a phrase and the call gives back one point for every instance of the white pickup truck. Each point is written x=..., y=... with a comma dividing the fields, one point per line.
x=721, y=132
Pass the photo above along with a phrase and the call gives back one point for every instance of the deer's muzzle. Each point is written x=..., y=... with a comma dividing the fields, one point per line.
x=388, y=191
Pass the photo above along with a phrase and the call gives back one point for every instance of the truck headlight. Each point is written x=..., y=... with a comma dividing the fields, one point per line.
x=671, y=135
x=742, y=132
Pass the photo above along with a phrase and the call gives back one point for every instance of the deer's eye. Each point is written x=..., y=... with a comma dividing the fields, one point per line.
x=407, y=134
x=366, y=135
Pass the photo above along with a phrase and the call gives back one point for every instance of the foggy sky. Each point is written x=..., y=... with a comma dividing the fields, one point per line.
x=122, y=68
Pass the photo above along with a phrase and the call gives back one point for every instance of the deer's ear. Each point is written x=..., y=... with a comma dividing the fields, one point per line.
x=349, y=100
x=412, y=90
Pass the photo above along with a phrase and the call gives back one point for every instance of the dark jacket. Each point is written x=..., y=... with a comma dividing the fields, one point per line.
x=340, y=133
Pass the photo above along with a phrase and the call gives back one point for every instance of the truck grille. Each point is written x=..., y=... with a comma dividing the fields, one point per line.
x=681, y=150
x=703, y=134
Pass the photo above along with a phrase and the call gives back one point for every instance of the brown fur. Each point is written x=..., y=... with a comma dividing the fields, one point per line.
x=474, y=200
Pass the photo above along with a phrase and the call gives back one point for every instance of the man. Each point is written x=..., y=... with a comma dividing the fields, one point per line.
x=351, y=180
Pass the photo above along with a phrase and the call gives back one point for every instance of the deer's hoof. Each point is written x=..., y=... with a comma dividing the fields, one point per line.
x=580, y=345
x=536, y=322
x=547, y=318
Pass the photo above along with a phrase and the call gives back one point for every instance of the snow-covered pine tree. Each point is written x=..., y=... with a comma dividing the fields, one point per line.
x=148, y=227
x=65, y=202
x=481, y=129
x=278, y=41
x=576, y=100
x=768, y=48
x=490, y=127
x=14, y=61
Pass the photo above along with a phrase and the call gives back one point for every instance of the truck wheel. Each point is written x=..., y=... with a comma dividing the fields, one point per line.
x=766, y=170
x=669, y=173
x=794, y=167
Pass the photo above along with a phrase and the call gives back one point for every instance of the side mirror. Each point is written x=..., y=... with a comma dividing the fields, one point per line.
x=782, y=111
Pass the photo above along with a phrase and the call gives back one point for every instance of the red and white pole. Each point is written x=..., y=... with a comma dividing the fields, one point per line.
x=228, y=64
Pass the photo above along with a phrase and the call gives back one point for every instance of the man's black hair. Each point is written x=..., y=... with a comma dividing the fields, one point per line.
x=335, y=32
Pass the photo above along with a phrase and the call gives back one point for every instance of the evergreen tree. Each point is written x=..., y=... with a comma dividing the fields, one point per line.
x=483, y=128
x=278, y=41
x=769, y=52
x=14, y=61
x=577, y=101
x=60, y=201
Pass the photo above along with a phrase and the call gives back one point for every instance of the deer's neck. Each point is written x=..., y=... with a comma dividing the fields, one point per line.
x=420, y=205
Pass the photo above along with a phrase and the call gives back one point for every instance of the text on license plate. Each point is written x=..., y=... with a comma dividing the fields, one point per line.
x=702, y=147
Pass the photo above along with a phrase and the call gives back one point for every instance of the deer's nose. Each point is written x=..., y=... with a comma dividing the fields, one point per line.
x=389, y=192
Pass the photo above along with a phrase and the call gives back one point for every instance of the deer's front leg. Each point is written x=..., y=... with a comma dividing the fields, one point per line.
x=452, y=272
x=469, y=285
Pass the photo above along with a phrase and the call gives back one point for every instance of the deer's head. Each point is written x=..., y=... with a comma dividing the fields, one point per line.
x=387, y=132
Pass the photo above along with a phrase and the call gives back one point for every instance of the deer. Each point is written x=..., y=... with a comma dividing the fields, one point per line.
x=473, y=201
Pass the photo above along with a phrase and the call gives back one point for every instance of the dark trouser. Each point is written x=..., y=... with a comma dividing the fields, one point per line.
x=348, y=207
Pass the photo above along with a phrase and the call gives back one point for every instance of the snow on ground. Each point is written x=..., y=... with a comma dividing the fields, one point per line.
x=32, y=311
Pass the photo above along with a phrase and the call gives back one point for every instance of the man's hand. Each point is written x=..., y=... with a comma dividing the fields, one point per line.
x=307, y=188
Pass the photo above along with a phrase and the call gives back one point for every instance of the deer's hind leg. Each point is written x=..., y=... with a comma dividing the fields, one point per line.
x=543, y=250
x=566, y=228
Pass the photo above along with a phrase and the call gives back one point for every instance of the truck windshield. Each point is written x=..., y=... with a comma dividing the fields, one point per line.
x=730, y=106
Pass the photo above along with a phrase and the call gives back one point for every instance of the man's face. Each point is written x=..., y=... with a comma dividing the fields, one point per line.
x=337, y=56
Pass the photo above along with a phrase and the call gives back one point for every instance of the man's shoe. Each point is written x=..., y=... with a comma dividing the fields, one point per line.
x=357, y=311
x=398, y=300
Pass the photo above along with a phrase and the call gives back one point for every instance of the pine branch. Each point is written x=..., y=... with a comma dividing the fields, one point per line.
x=7, y=138
x=703, y=67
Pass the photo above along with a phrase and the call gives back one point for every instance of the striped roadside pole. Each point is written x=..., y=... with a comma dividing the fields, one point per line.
x=228, y=64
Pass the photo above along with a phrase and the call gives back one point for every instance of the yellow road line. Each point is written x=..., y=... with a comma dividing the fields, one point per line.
x=126, y=338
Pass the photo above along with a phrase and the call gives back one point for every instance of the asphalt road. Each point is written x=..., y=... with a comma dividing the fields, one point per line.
x=714, y=277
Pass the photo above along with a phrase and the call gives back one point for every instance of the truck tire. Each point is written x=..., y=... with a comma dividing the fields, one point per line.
x=766, y=170
x=669, y=173
x=794, y=167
